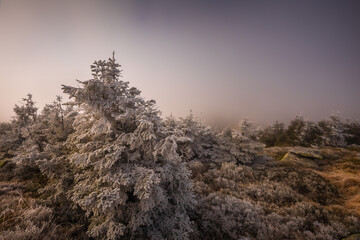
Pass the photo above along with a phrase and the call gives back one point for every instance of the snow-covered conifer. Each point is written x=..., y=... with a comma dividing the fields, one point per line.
x=27, y=124
x=194, y=138
x=129, y=178
x=333, y=131
x=236, y=145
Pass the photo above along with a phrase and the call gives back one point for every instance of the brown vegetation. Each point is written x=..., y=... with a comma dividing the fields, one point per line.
x=343, y=172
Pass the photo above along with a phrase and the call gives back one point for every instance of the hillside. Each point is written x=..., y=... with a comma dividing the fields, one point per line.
x=106, y=165
x=271, y=200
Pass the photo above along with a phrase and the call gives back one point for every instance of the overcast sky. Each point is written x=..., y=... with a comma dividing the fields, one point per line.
x=264, y=60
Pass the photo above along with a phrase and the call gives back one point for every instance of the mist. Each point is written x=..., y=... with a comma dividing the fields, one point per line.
x=259, y=60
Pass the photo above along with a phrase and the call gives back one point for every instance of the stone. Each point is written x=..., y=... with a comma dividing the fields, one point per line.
x=294, y=158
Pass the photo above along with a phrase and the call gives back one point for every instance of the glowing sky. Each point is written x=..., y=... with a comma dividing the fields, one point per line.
x=264, y=60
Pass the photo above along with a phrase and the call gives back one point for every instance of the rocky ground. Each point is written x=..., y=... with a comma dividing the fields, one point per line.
x=339, y=166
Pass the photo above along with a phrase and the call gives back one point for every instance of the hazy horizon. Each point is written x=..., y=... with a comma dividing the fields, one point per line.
x=261, y=60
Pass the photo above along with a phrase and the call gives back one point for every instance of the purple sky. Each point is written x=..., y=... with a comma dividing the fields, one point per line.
x=264, y=60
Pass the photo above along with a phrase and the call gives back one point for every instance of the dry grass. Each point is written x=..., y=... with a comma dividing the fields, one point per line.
x=23, y=217
x=13, y=204
x=348, y=185
x=344, y=173
x=341, y=167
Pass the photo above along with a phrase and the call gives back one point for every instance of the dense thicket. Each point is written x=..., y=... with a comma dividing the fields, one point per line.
x=330, y=132
x=106, y=166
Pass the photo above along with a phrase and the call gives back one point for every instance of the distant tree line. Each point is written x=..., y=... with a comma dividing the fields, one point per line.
x=330, y=132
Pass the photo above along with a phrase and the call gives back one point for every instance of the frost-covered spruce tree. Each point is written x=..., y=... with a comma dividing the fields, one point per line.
x=128, y=176
x=54, y=118
x=199, y=142
x=236, y=145
x=25, y=116
x=38, y=132
x=295, y=132
x=33, y=138
x=195, y=140
x=334, y=133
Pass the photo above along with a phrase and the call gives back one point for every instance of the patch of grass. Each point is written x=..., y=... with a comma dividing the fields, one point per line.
x=355, y=161
x=37, y=181
x=355, y=148
x=351, y=168
x=3, y=162
x=6, y=170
